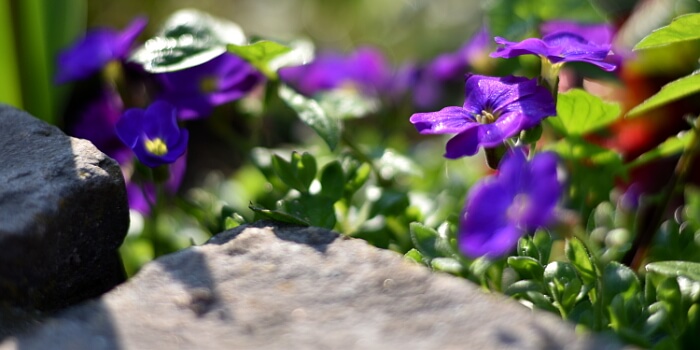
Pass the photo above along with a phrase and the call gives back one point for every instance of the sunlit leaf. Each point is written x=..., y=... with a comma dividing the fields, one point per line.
x=260, y=54
x=277, y=215
x=311, y=113
x=673, y=145
x=685, y=269
x=579, y=112
x=187, y=39
x=682, y=28
x=670, y=92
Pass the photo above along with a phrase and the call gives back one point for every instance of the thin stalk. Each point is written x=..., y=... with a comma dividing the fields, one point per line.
x=635, y=256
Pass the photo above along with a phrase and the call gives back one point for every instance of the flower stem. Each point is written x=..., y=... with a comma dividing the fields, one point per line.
x=651, y=223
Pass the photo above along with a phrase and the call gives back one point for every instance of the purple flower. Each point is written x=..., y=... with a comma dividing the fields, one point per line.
x=96, y=123
x=454, y=64
x=558, y=48
x=96, y=50
x=597, y=33
x=502, y=208
x=365, y=69
x=153, y=134
x=197, y=90
x=495, y=108
x=142, y=195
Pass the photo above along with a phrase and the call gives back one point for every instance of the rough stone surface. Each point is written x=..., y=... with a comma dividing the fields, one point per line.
x=63, y=215
x=266, y=286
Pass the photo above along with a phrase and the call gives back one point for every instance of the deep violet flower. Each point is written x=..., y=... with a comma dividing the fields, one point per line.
x=366, y=70
x=558, y=48
x=142, y=195
x=495, y=108
x=94, y=51
x=197, y=90
x=500, y=209
x=153, y=134
x=96, y=123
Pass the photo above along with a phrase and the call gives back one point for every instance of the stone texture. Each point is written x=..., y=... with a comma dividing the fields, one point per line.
x=267, y=286
x=63, y=215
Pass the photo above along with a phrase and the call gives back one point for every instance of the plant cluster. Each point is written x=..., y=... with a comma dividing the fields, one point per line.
x=540, y=194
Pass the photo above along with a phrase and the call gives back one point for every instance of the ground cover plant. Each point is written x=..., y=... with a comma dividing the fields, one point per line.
x=567, y=179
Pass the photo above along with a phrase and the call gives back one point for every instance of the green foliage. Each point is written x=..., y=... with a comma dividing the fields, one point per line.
x=260, y=54
x=310, y=112
x=682, y=28
x=579, y=113
x=670, y=92
x=187, y=39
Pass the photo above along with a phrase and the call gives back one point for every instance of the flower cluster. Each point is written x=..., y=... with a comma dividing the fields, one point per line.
x=153, y=135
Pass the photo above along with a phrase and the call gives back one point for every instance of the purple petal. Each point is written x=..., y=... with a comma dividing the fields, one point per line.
x=125, y=39
x=446, y=121
x=484, y=226
x=598, y=33
x=161, y=122
x=464, y=144
x=130, y=126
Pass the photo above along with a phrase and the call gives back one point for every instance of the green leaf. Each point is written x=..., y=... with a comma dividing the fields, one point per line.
x=672, y=146
x=288, y=173
x=311, y=113
x=670, y=92
x=687, y=269
x=543, y=242
x=316, y=210
x=344, y=103
x=524, y=286
x=260, y=54
x=448, y=265
x=578, y=255
x=424, y=239
x=357, y=175
x=682, y=28
x=390, y=203
x=619, y=279
x=414, y=255
x=305, y=166
x=277, y=215
x=527, y=267
x=579, y=112
x=187, y=39
x=333, y=180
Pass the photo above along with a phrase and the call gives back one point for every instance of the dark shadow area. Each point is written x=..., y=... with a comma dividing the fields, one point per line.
x=88, y=326
x=190, y=268
x=63, y=215
x=315, y=237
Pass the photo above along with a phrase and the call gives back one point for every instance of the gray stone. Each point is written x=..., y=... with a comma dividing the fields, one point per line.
x=283, y=287
x=63, y=215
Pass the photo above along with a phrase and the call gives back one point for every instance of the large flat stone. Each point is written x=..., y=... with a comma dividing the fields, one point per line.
x=267, y=286
x=63, y=215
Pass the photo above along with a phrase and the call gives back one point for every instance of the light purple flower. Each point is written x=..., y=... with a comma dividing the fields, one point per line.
x=197, y=90
x=558, y=48
x=153, y=134
x=502, y=208
x=366, y=69
x=94, y=51
x=495, y=108
x=429, y=83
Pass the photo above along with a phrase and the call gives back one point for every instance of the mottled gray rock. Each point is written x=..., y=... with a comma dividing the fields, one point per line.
x=63, y=215
x=266, y=286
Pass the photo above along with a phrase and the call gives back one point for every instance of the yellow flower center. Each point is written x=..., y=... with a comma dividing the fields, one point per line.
x=156, y=146
x=209, y=84
x=486, y=117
